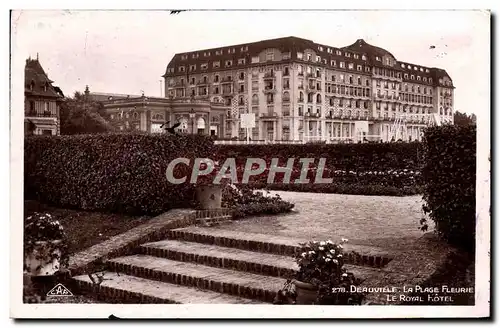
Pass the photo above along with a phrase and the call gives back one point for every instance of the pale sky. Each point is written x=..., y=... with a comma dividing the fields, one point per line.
x=128, y=51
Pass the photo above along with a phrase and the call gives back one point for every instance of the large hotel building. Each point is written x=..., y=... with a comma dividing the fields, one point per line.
x=301, y=91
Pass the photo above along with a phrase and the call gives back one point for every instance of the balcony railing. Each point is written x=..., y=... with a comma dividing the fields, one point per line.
x=39, y=114
x=269, y=89
x=313, y=115
x=269, y=75
x=268, y=115
x=227, y=79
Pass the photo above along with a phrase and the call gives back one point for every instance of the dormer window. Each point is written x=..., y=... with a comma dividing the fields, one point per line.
x=377, y=58
x=45, y=87
x=347, y=54
x=339, y=53
x=320, y=48
x=32, y=85
x=356, y=56
x=184, y=57
x=402, y=65
x=363, y=57
x=270, y=56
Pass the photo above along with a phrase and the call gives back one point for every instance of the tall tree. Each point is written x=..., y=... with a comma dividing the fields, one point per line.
x=463, y=119
x=80, y=115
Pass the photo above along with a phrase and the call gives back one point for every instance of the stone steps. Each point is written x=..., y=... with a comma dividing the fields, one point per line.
x=122, y=288
x=235, y=283
x=212, y=221
x=355, y=254
x=202, y=265
x=234, y=258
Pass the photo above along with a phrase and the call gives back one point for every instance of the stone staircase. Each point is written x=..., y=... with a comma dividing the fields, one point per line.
x=207, y=265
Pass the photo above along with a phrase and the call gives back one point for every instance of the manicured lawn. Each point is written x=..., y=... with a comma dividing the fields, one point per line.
x=85, y=229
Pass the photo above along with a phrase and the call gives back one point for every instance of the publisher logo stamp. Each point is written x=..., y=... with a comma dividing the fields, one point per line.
x=59, y=290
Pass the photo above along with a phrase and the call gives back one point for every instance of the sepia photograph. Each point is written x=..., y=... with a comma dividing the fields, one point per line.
x=226, y=163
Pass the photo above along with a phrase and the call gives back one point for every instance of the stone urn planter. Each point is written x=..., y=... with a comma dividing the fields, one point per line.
x=306, y=293
x=44, y=258
x=209, y=196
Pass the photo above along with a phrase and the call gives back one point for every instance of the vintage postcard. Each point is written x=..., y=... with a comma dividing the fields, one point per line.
x=226, y=164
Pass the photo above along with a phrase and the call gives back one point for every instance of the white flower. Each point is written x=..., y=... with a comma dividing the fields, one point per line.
x=340, y=255
x=344, y=275
x=329, y=255
x=340, y=246
x=332, y=251
x=312, y=252
x=304, y=254
x=345, y=240
x=335, y=261
x=327, y=260
x=322, y=243
x=329, y=241
x=57, y=222
x=321, y=248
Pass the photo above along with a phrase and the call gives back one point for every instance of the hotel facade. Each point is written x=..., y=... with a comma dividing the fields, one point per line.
x=299, y=91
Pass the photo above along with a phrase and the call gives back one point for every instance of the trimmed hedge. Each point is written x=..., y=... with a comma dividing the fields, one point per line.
x=124, y=173
x=360, y=169
x=449, y=177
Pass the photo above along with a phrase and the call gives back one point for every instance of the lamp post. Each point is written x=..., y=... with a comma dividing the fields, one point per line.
x=191, y=116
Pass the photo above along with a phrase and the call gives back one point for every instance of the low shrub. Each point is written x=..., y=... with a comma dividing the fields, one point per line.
x=449, y=182
x=245, y=201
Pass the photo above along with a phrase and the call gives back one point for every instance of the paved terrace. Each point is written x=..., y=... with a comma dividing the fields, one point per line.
x=380, y=221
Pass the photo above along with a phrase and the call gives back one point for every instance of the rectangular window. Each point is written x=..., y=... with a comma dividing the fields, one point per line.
x=270, y=56
x=216, y=64
x=342, y=65
x=229, y=63
x=300, y=55
x=204, y=66
x=241, y=61
x=255, y=59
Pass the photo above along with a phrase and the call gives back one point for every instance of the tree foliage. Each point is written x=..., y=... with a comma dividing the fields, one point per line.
x=462, y=119
x=83, y=116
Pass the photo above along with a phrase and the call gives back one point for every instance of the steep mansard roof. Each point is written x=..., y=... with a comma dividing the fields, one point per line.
x=361, y=48
x=35, y=76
